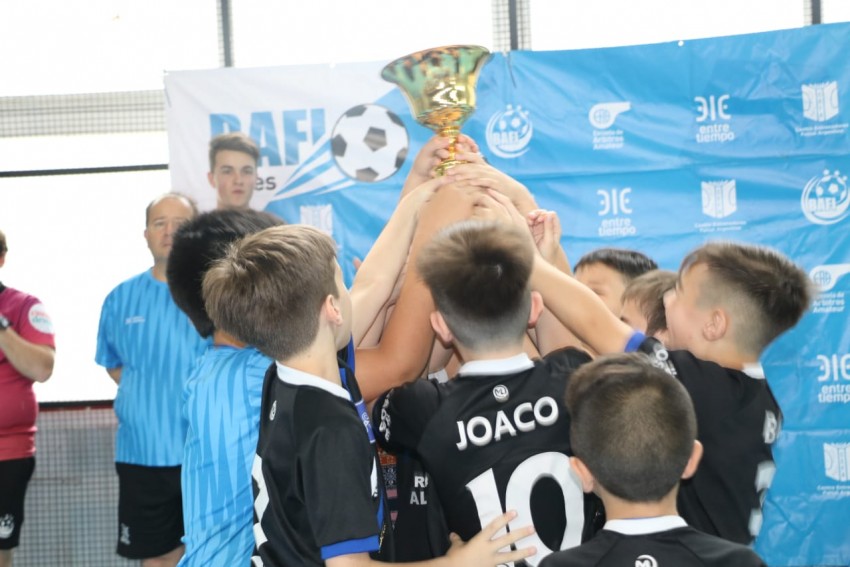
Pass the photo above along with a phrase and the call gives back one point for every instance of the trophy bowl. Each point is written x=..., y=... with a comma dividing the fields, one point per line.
x=439, y=85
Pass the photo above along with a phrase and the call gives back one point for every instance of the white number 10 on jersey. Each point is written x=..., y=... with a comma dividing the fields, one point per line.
x=518, y=497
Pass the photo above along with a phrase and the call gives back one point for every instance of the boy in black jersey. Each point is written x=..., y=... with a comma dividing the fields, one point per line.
x=496, y=436
x=634, y=436
x=317, y=494
x=731, y=300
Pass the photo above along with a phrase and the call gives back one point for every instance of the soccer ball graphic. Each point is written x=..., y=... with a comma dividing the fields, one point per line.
x=369, y=143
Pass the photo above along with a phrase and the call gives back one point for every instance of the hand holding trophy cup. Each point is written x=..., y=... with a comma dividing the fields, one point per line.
x=439, y=85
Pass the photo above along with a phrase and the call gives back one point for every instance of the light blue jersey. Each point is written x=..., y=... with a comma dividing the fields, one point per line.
x=222, y=407
x=152, y=340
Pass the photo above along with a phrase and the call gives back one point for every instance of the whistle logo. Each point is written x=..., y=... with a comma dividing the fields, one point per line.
x=603, y=115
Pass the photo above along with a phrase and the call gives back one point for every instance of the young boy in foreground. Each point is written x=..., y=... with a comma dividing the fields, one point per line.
x=497, y=435
x=731, y=300
x=634, y=436
x=317, y=488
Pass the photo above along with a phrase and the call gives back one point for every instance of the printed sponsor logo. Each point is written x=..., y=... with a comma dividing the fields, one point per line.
x=40, y=320
x=836, y=467
x=714, y=120
x=501, y=393
x=602, y=117
x=125, y=534
x=836, y=461
x=826, y=277
x=7, y=526
x=719, y=200
x=825, y=199
x=646, y=561
x=273, y=411
x=834, y=378
x=134, y=320
x=318, y=216
x=615, y=205
x=509, y=132
x=821, y=104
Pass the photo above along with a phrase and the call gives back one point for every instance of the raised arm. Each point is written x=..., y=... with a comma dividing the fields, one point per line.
x=550, y=334
x=406, y=342
x=579, y=309
x=378, y=273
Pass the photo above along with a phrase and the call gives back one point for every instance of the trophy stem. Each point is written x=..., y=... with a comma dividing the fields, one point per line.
x=450, y=132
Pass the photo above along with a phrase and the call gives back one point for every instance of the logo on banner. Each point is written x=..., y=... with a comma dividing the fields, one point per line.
x=509, y=132
x=826, y=277
x=369, y=143
x=825, y=199
x=820, y=104
x=615, y=204
x=602, y=117
x=719, y=200
x=820, y=101
x=834, y=378
x=713, y=117
x=318, y=216
x=836, y=461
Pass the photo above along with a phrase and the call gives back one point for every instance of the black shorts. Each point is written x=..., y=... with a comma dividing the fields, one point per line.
x=150, y=510
x=14, y=478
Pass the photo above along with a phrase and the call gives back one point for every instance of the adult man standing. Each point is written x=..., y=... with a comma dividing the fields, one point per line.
x=26, y=356
x=233, y=169
x=149, y=346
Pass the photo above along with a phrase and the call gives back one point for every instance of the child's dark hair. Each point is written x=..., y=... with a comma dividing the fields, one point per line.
x=628, y=263
x=633, y=425
x=478, y=275
x=197, y=244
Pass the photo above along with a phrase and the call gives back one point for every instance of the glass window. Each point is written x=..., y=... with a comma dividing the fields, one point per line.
x=607, y=23
x=342, y=31
x=60, y=47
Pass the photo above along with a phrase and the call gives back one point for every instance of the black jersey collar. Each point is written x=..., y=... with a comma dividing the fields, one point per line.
x=295, y=377
x=639, y=526
x=511, y=365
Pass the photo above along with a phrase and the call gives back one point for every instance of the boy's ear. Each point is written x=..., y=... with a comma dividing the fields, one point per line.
x=588, y=483
x=331, y=310
x=536, y=308
x=717, y=325
x=440, y=327
x=693, y=462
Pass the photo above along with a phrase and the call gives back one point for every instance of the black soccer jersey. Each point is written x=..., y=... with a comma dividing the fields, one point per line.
x=419, y=530
x=680, y=546
x=738, y=420
x=317, y=485
x=495, y=438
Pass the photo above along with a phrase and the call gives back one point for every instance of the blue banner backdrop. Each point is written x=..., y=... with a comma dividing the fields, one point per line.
x=657, y=148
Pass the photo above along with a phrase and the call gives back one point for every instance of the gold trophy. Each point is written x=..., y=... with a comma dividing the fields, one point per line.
x=439, y=85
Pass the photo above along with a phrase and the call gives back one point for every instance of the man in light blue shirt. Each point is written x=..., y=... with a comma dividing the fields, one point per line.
x=149, y=347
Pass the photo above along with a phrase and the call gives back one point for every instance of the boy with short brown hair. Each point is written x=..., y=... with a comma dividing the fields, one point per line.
x=634, y=436
x=731, y=300
x=318, y=493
